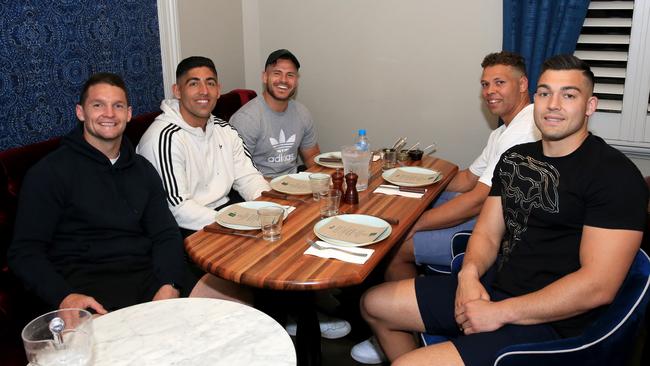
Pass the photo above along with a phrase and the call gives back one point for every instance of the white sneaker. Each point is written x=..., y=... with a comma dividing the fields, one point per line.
x=330, y=328
x=368, y=352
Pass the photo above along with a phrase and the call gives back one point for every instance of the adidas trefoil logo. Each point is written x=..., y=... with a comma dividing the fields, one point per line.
x=282, y=144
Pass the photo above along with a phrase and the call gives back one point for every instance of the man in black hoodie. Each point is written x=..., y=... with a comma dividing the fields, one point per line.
x=93, y=229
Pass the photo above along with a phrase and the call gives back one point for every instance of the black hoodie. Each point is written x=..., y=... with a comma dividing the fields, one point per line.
x=79, y=212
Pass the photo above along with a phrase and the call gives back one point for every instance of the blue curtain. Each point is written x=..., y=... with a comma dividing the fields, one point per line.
x=539, y=29
x=49, y=48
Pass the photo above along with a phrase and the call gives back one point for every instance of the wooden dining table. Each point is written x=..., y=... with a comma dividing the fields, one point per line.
x=282, y=265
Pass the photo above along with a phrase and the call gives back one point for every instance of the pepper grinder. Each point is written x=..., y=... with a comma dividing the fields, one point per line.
x=351, y=195
x=337, y=181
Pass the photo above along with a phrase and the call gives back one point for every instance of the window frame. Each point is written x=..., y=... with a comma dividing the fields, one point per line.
x=629, y=130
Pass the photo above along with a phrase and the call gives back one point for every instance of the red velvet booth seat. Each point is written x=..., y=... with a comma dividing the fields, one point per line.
x=15, y=308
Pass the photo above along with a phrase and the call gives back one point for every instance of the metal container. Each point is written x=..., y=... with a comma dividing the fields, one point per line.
x=403, y=155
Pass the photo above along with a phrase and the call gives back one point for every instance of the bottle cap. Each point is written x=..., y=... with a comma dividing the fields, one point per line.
x=362, y=132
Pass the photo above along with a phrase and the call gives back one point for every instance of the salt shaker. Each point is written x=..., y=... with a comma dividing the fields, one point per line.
x=351, y=195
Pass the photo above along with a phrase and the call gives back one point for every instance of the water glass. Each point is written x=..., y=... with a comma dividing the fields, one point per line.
x=357, y=161
x=329, y=202
x=319, y=182
x=271, y=221
x=60, y=337
x=390, y=159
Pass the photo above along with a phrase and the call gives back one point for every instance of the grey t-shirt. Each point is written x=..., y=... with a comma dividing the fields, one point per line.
x=274, y=138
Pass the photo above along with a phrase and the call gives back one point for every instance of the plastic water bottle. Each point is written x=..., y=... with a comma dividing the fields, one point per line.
x=362, y=143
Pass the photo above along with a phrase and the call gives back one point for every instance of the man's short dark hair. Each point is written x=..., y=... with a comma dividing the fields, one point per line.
x=102, y=78
x=569, y=62
x=505, y=58
x=194, y=62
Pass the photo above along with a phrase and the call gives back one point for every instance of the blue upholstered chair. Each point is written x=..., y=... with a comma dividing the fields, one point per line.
x=609, y=341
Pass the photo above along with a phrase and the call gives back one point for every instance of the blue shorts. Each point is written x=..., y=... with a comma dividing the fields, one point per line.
x=434, y=247
x=435, y=296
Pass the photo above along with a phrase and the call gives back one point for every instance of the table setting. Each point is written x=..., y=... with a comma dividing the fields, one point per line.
x=300, y=261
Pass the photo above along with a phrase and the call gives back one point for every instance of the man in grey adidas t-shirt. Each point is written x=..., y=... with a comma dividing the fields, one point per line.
x=275, y=128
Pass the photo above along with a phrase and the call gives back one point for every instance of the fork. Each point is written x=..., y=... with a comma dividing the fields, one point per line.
x=320, y=247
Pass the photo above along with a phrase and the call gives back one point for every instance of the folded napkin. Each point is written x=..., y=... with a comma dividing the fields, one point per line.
x=396, y=192
x=289, y=209
x=337, y=254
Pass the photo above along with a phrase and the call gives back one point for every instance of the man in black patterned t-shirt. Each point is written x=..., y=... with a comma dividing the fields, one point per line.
x=552, y=222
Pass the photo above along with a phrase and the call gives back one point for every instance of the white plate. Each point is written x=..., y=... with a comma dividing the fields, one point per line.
x=356, y=219
x=298, y=176
x=333, y=154
x=252, y=205
x=412, y=169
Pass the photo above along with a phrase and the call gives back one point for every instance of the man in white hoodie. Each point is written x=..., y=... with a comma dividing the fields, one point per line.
x=198, y=156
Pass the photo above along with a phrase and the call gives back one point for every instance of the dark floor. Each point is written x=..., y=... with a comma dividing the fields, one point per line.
x=336, y=352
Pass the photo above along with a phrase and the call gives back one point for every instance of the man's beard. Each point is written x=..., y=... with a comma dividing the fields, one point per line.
x=269, y=89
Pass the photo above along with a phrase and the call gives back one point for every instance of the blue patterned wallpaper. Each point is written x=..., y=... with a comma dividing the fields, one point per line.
x=48, y=48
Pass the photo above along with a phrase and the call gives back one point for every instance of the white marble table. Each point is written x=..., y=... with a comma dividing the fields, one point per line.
x=190, y=331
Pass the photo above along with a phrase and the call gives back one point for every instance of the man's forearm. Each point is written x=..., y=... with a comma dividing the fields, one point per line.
x=569, y=296
x=582, y=290
x=463, y=181
x=454, y=212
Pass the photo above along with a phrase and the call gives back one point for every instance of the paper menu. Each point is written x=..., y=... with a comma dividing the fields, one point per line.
x=402, y=176
x=288, y=184
x=239, y=215
x=351, y=232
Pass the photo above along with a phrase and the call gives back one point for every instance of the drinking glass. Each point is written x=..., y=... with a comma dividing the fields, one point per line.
x=329, y=202
x=357, y=161
x=390, y=159
x=319, y=182
x=271, y=221
x=60, y=337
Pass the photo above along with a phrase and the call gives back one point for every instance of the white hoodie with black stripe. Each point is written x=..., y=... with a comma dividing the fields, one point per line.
x=198, y=168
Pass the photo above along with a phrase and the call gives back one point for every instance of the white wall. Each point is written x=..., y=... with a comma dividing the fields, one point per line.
x=213, y=28
x=397, y=68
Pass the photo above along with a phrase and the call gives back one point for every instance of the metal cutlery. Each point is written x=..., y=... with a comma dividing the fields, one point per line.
x=429, y=147
x=399, y=144
x=320, y=247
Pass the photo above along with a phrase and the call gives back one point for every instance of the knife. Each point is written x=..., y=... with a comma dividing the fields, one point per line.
x=331, y=160
x=404, y=189
x=281, y=196
x=216, y=230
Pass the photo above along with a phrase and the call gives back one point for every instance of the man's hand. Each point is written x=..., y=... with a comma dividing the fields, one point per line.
x=469, y=289
x=479, y=316
x=166, y=292
x=80, y=301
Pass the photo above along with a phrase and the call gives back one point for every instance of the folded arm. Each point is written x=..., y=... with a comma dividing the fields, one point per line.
x=585, y=289
x=455, y=211
x=481, y=253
